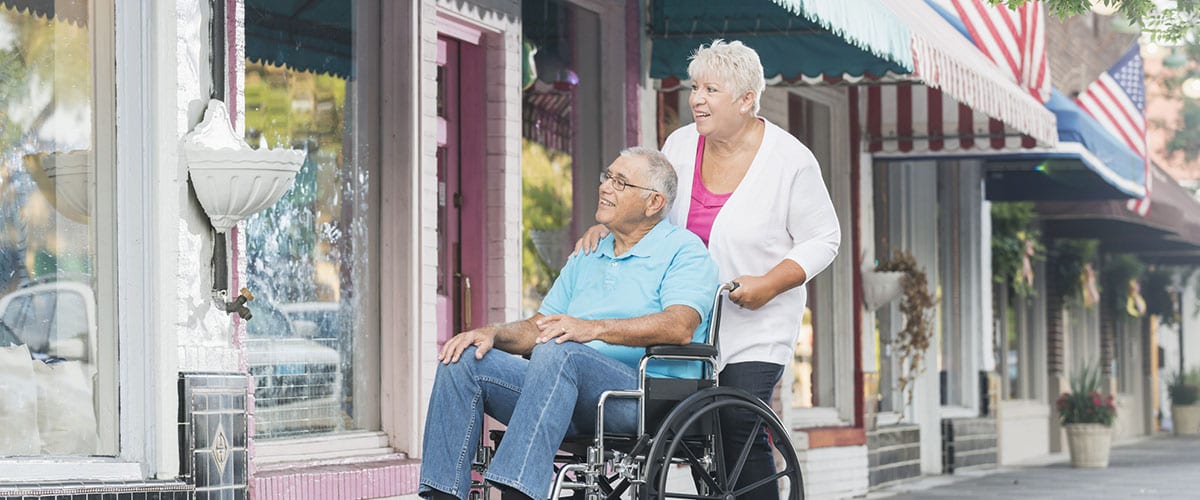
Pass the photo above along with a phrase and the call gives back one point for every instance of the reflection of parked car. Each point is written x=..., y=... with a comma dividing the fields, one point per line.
x=297, y=380
x=56, y=319
x=322, y=322
x=7, y=337
x=318, y=321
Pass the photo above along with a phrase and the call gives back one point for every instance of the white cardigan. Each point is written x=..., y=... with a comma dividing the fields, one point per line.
x=780, y=210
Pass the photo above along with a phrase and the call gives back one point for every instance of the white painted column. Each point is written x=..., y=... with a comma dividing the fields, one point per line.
x=914, y=189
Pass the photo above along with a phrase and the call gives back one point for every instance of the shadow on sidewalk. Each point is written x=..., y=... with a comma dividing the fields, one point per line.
x=1157, y=467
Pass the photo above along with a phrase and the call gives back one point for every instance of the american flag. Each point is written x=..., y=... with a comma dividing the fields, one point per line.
x=1013, y=39
x=1117, y=99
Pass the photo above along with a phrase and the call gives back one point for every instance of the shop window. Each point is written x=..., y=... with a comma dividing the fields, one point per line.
x=817, y=392
x=313, y=330
x=1021, y=341
x=561, y=142
x=1128, y=358
x=58, y=372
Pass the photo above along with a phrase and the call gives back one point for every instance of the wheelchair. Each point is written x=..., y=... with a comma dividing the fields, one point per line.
x=678, y=450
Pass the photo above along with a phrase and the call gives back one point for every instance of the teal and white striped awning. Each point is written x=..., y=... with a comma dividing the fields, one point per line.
x=796, y=39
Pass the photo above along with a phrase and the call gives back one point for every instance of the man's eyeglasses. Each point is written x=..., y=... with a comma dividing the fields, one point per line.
x=619, y=183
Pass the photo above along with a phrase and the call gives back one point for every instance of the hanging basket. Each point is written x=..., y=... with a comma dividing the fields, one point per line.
x=881, y=287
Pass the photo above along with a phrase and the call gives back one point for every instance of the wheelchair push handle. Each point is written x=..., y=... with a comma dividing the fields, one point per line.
x=714, y=324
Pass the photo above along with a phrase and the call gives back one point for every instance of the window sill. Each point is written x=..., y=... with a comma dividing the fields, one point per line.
x=958, y=412
x=832, y=437
x=806, y=418
x=887, y=418
x=341, y=448
x=38, y=469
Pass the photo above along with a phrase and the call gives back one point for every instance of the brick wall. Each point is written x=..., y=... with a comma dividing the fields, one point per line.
x=893, y=454
x=1080, y=48
x=837, y=472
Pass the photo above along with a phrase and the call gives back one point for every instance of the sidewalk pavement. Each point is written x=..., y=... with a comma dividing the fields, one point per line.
x=1160, y=467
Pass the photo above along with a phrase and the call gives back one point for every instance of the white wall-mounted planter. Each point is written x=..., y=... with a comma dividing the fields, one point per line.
x=63, y=178
x=233, y=181
x=881, y=287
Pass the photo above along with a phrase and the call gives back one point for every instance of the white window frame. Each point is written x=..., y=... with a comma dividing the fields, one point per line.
x=124, y=280
x=318, y=447
x=835, y=318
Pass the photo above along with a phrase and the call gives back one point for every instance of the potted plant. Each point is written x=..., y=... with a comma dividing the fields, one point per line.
x=881, y=287
x=916, y=306
x=1087, y=417
x=1184, y=391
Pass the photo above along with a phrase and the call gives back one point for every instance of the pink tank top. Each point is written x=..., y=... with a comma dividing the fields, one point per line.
x=705, y=204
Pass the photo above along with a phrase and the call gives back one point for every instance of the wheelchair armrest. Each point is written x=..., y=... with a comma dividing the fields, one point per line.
x=695, y=349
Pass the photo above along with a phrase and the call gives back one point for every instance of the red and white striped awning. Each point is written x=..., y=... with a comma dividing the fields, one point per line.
x=961, y=86
x=914, y=118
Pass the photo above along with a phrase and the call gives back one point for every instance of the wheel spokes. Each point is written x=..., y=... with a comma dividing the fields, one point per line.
x=719, y=483
x=694, y=496
x=719, y=451
x=694, y=462
x=745, y=453
x=755, y=485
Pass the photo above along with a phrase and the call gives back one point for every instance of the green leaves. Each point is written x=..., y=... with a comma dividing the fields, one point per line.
x=1014, y=242
x=1167, y=24
x=1085, y=404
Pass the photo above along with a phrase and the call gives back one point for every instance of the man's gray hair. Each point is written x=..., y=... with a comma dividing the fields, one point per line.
x=732, y=64
x=660, y=174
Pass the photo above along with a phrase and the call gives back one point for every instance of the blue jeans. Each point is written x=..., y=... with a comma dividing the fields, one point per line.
x=757, y=378
x=542, y=400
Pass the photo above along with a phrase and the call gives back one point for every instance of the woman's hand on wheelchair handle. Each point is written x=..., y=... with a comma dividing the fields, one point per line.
x=562, y=328
x=482, y=338
x=590, y=239
x=752, y=292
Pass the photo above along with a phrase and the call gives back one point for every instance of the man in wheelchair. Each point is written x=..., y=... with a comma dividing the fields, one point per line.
x=649, y=283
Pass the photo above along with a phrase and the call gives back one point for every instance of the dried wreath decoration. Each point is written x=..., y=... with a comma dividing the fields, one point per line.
x=917, y=307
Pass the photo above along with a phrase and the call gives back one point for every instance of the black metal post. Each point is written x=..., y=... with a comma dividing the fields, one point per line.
x=1179, y=311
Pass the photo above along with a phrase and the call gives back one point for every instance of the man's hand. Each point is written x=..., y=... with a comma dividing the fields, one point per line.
x=482, y=338
x=561, y=328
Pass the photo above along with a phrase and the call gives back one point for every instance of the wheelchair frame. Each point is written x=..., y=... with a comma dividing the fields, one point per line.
x=604, y=472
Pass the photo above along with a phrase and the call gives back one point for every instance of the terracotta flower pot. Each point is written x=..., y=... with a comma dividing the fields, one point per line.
x=1089, y=444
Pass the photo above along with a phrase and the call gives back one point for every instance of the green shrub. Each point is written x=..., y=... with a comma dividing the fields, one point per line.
x=1184, y=389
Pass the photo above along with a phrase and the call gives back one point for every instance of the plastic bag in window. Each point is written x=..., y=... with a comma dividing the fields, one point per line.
x=66, y=417
x=19, y=403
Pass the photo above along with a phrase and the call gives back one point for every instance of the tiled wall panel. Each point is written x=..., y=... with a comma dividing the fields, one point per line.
x=212, y=434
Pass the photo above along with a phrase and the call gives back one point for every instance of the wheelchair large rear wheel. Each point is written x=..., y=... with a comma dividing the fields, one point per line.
x=689, y=445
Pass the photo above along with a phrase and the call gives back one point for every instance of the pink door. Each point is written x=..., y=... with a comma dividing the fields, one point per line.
x=461, y=231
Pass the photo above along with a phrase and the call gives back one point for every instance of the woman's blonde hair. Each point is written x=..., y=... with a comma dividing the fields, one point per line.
x=730, y=63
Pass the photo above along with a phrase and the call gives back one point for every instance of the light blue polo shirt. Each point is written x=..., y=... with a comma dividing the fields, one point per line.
x=669, y=266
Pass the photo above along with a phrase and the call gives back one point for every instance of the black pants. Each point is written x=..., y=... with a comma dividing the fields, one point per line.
x=757, y=378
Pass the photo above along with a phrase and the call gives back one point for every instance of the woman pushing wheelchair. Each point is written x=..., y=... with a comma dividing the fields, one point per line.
x=754, y=195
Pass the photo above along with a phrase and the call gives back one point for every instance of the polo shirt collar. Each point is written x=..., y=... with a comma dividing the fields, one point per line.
x=644, y=247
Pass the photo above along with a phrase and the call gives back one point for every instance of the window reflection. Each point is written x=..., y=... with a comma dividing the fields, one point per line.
x=802, y=365
x=306, y=256
x=49, y=368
